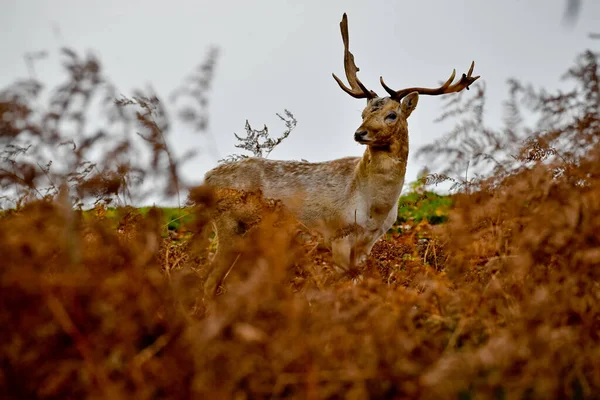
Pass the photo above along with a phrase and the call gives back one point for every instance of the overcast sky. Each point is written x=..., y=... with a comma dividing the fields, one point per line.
x=277, y=54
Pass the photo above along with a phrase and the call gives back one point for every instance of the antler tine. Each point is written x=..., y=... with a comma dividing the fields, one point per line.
x=464, y=83
x=357, y=89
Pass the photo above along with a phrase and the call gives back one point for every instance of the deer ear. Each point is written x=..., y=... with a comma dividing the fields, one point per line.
x=409, y=103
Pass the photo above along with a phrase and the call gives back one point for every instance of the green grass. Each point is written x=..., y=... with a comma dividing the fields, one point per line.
x=415, y=207
x=174, y=218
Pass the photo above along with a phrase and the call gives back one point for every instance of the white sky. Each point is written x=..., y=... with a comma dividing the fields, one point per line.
x=277, y=54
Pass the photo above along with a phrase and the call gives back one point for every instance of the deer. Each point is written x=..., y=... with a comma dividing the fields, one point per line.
x=350, y=202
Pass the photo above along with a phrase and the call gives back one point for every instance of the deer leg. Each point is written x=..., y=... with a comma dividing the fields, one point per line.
x=229, y=229
x=224, y=256
x=347, y=253
x=341, y=250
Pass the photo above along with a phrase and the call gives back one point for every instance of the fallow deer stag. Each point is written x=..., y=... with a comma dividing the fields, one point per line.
x=351, y=202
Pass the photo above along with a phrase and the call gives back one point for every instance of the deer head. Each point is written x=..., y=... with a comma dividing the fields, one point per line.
x=385, y=118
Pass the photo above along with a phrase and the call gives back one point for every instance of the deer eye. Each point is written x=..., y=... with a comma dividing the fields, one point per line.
x=391, y=116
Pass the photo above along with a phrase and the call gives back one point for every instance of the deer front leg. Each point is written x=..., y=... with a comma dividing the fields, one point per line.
x=341, y=250
x=230, y=227
x=348, y=254
x=221, y=262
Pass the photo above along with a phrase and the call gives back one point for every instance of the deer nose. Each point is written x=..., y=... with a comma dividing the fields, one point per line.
x=360, y=135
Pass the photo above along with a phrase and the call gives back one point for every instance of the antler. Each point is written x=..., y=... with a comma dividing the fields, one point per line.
x=358, y=90
x=464, y=83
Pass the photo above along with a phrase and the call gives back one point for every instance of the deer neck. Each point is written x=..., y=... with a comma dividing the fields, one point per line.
x=381, y=170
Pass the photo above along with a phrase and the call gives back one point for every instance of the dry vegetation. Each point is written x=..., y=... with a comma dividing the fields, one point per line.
x=502, y=301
